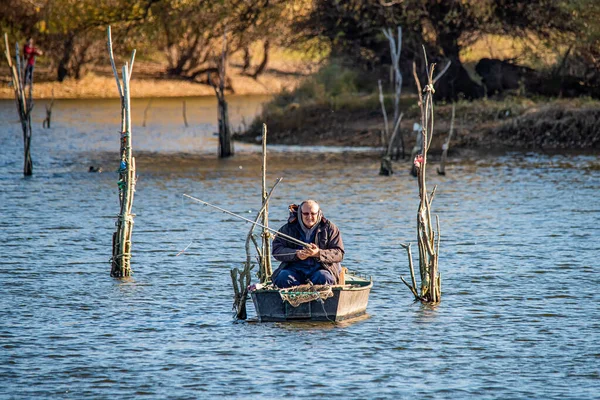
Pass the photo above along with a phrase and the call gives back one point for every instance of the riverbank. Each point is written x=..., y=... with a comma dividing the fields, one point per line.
x=150, y=81
x=509, y=123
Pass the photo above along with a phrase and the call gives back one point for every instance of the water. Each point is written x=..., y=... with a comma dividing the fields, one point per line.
x=519, y=316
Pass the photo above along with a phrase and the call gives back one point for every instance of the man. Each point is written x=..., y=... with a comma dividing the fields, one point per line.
x=319, y=261
x=30, y=53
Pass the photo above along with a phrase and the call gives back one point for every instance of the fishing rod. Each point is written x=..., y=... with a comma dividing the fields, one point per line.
x=282, y=235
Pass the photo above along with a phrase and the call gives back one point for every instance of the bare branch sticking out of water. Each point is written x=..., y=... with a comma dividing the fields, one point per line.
x=241, y=279
x=428, y=251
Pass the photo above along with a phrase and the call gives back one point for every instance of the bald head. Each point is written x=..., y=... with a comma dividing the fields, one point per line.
x=309, y=209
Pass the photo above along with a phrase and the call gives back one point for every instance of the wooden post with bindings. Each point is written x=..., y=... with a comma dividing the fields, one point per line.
x=121, y=251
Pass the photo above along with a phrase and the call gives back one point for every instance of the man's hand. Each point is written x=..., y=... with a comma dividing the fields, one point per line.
x=311, y=251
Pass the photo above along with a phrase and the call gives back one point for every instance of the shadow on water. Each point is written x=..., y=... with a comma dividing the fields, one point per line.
x=311, y=325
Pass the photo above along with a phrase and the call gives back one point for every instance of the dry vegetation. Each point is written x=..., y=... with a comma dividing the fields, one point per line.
x=285, y=70
x=511, y=122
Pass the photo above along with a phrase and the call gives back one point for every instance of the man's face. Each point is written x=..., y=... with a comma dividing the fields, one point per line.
x=310, y=213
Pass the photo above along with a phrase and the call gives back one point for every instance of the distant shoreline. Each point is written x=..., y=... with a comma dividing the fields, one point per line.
x=149, y=81
x=98, y=87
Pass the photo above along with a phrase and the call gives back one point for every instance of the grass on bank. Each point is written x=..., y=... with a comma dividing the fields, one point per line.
x=338, y=105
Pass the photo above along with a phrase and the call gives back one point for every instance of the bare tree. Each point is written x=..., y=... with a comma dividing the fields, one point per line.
x=225, y=140
x=24, y=101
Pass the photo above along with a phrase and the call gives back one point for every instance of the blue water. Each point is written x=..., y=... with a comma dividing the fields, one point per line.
x=519, y=258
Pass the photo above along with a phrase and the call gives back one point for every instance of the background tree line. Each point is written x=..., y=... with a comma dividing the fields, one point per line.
x=189, y=33
x=568, y=30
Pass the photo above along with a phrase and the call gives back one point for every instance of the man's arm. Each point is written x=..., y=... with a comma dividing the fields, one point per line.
x=280, y=249
x=334, y=253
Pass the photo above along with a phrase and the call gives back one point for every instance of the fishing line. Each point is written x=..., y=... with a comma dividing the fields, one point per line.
x=277, y=233
x=191, y=241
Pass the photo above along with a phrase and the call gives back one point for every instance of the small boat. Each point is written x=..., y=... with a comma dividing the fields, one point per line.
x=308, y=302
x=313, y=303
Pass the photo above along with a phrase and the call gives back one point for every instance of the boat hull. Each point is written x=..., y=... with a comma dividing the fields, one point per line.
x=348, y=301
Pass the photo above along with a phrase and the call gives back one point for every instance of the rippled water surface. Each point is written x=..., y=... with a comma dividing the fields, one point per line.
x=519, y=317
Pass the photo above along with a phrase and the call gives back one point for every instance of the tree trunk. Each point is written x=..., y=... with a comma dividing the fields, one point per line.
x=457, y=83
x=28, y=163
x=63, y=64
x=225, y=142
x=24, y=102
x=247, y=60
x=265, y=60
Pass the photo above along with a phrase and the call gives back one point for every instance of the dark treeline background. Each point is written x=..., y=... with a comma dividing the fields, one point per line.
x=188, y=34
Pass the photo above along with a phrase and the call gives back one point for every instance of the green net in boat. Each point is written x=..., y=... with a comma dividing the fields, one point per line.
x=304, y=293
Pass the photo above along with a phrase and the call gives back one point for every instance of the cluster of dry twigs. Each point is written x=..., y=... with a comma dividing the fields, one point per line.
x=241, y=278
x=430, y=290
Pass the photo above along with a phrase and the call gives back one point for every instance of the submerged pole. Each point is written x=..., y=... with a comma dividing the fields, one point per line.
x=121, y=252
x=24, y=102
x=266, y=235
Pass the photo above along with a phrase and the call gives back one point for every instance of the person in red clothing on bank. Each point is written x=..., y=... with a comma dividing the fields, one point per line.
x=30, y=52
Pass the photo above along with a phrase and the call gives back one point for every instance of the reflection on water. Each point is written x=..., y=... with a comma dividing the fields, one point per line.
x=519, y=263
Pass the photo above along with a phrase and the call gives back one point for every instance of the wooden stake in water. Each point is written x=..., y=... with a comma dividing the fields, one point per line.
x=426, y=237
x=121, y=252
x=185, y=115
x=146, y=112
x=241, y=279
x=266, y=269
x=48, y=119
x=24, y=102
